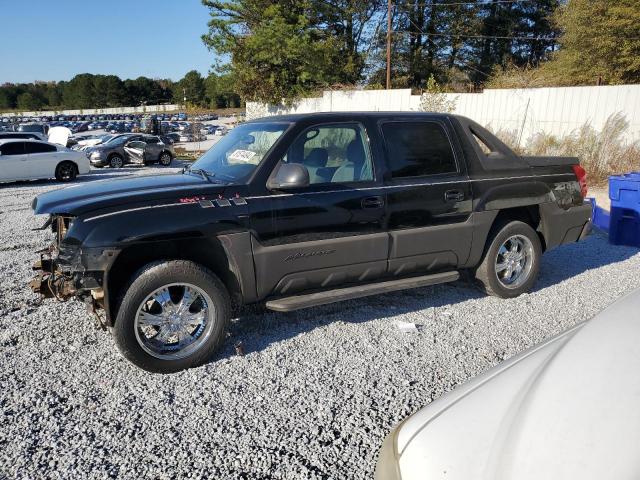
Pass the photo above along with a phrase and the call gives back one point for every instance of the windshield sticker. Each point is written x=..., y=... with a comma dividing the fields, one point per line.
x=242, y=155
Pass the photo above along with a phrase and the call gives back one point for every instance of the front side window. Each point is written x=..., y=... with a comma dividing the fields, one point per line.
x=333, y=153
x=236, y=156
x=418, y=149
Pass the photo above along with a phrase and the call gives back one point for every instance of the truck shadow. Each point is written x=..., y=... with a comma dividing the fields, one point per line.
x=258, y=328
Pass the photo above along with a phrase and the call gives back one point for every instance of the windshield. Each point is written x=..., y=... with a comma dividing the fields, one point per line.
x=117, y=139
x=237, y=155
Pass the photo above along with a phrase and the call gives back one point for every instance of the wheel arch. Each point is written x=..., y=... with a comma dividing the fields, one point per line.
x=488, y=222
x=67, y=160
x=213, y=254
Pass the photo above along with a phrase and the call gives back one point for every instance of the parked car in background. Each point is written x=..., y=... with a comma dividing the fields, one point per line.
x=38, y=129
x=173, y=136
x=82, y=143
x=221, y=130
x=145, y=151
x=112, y=153
x=116, y=128
x=565, y=409
x=209, y=129
x=20, y=135
x=192, y=137
x=34, y=159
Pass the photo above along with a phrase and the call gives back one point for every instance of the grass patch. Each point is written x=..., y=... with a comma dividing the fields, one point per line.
x=602, y=153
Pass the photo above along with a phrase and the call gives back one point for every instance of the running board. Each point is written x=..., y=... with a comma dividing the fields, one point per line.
x=296, y=302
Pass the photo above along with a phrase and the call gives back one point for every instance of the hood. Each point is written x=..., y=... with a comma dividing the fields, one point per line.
x=566, y=409
x=95, y=195
x=90, y=142
x=59, y=135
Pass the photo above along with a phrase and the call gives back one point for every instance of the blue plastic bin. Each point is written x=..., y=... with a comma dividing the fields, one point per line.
x=624, y=226
x=599, y=216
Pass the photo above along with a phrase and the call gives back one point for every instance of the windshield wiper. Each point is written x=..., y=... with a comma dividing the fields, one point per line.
x=208, y=176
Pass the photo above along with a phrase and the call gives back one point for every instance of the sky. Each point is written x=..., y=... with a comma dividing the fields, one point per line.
x=58, y=39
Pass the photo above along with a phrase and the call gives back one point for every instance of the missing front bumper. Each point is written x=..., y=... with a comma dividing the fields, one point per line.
x=50, y=281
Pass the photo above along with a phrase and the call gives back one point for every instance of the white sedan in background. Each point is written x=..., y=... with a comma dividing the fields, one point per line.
x=566, y=409
x=34, y=159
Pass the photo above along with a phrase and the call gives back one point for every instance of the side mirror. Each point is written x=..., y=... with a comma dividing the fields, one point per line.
x=287, y=176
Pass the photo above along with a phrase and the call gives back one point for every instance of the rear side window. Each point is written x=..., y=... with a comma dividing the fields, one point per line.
x=33, y=147
x=418, y=149
x=13, y=148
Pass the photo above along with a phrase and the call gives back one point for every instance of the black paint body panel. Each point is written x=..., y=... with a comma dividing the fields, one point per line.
x=273, y=243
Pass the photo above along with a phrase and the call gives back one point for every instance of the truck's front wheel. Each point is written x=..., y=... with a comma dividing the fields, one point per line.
x=511, y=260
x=173, y=316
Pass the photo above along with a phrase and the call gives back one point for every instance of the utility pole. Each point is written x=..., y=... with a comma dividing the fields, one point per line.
x=388, y=44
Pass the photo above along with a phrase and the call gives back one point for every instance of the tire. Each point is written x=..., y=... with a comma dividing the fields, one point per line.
x=138, y=341
x=66, y=172
x=165, y=159
x=116, y=161
x=505, y=272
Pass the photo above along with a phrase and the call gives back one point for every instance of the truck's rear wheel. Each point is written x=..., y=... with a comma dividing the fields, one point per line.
x=511, y=260
x=173, y=316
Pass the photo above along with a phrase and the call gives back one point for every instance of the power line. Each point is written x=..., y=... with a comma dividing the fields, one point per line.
x=457, y=35
x=481, y=4
x=510, y=37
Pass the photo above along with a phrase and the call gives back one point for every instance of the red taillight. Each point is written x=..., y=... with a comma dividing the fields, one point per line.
x=581, y=176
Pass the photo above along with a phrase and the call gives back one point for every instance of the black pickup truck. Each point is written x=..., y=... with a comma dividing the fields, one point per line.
x=304, y=210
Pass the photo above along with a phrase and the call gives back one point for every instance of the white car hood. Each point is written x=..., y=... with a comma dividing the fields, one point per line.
x=567, y=409
x=90, y=142
x=59, y=135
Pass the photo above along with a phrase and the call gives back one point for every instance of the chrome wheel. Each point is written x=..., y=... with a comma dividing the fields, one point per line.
x=174, y=321
x=514, y=261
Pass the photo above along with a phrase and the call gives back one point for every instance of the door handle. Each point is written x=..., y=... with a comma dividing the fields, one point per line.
x=372, y=202
x=455, y=195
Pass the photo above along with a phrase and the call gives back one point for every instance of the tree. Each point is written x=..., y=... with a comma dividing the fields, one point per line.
x=434, y=99
x=284, y=50
x=192, y=88
x=28, y=101
x=220, y=91
x=109, y=91
x=462, y=43
x=79, y=92
x=600, y=41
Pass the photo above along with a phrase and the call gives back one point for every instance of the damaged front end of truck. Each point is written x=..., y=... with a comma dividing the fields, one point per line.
x=61, y=270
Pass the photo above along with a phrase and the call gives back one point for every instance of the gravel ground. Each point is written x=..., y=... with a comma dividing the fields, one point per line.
x=313, y=397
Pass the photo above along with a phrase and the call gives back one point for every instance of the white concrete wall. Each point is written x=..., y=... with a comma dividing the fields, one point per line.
x=557, y=111
x=97, y=111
